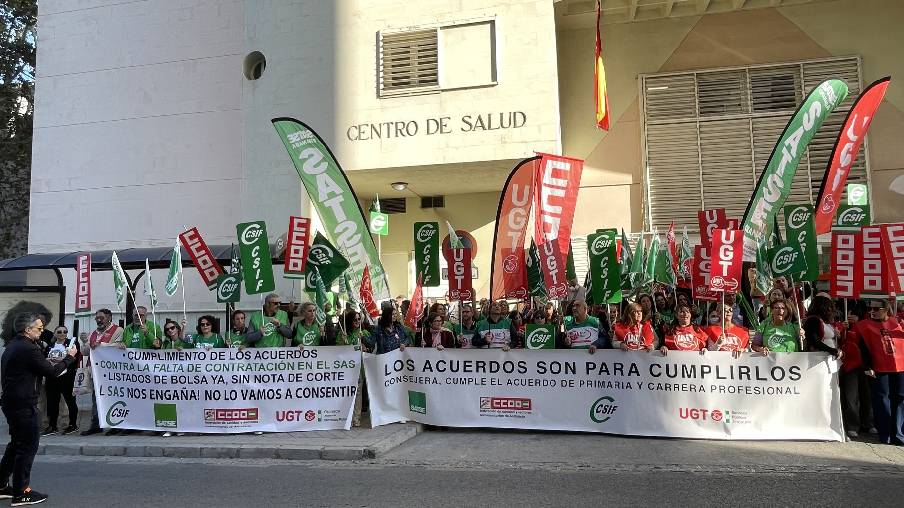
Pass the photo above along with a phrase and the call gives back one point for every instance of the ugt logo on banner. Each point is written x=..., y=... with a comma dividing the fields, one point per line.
x=727, y=260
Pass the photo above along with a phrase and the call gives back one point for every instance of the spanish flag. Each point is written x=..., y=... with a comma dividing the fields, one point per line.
x=600, y=96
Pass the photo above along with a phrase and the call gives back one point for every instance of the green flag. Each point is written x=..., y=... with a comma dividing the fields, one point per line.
x=119, y=282
x=329, y=262
x=763, y=281
x=571, y=273
x=332, y=196
x=626, y=255
x=175, y=271
x=320, y=297
x=801, y=228
x=664, y=271
x=350, y=291
x=454, y=240
x=149, y=290
x=605, y=274
x=685, y=256
x=375, y=204
x=257, y=265
x=649, y=272
x=788, y=260
x=426, y=253
x=635, y=277
x=774, y=184
x=535, y=282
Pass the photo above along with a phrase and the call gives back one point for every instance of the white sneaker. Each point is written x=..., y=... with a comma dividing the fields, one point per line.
x=166, y=434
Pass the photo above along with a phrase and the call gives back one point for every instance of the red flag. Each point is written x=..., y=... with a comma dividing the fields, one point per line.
x=708, y=221
x=366, y=294
x=873, y=277
x=727, y=260
x=201, y=256
x=893, y=249
x=83, y=284
x=296, y=247
x=850, y=137
x=844, y=266
x=416, y=309
x=700, y=275
x=460, y=285
x=673, y=247
x=556, y=183
x=508, y=278
x=600, y=94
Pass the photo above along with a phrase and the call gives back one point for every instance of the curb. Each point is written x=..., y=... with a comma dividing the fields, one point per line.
x=239, y=451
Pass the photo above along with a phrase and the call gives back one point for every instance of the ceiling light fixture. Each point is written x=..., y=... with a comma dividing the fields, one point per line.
x=399, y=186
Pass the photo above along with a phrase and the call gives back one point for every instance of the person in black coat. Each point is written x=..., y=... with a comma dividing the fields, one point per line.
x=21, y=368
x=60, y=386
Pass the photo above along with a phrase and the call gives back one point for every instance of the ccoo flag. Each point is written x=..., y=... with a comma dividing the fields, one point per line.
x=600, y=95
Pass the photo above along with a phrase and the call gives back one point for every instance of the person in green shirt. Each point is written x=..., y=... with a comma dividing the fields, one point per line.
x=582, y=331
x=495, y=332
x=353, y=335
x=172, y=335
x=307, y=331
x=777, y=334
x=272, y=323
x=141, y=333
x=207, y=337
x=467, y=329
x=235, y=336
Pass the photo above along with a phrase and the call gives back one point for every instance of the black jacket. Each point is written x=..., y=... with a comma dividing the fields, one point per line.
x=21, y=368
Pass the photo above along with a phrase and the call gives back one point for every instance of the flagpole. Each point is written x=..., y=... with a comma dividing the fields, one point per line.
x=800, y=317
x=182, y=283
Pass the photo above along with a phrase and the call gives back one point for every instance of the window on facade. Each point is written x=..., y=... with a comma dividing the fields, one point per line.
x=409, y=61
x=429, y=60
x=433, y=201
x=392, y=205
x=708, y=134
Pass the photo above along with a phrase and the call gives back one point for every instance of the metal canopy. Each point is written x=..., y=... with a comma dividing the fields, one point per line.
x=131, y=259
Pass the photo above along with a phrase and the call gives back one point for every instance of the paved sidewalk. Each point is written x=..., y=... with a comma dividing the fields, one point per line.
x=354, y=444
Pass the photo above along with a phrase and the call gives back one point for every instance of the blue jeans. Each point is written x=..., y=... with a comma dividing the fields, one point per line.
x=888, y=406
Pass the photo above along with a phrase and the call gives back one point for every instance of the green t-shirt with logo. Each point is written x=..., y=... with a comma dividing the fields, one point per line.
x=201, y=342
x=500, y=331
x=235, y=339
x=353, y=338
x=272, y=337
x=134, y=338
x=582, y=334
x=306, y=335
x=463, y=332
x=781, y=338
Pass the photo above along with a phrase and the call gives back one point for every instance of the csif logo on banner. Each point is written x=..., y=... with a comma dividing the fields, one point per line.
x=851, y=218
x=785, y=259
x=602, y=410
x=600, y=245
x=251, y=234
x=797, y=219
x=426, y=232
x=540, y=336
x=321, y=254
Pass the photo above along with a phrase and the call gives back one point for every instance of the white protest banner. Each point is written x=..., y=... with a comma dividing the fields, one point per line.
x=226, y=390
x=684, y=394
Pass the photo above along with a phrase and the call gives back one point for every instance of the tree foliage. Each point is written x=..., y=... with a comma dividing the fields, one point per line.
x=17, y=68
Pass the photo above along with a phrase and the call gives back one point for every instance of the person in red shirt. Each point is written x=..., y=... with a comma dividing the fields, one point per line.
x=856, y=407
x=882, y=353
x=684, y=336
x=437, y=336
x=733, y=338
x=632, y=333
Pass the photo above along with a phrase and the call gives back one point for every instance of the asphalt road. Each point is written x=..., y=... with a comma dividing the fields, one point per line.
x=169, y=483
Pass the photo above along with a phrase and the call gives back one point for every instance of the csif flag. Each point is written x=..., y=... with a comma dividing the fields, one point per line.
x=149, y=290
x=534, y=277
x=175, y=271
x=556, y=183
x=330, y=263
x=844, y=153
x=320, y=297
x=649, y=271
x=799, y=227
x=774, y=184
x=665, y=272
x=426, y=253
x=119, y=282
x=600, y=95
x=333, y=198
x=346, y=288
x=509, y=276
